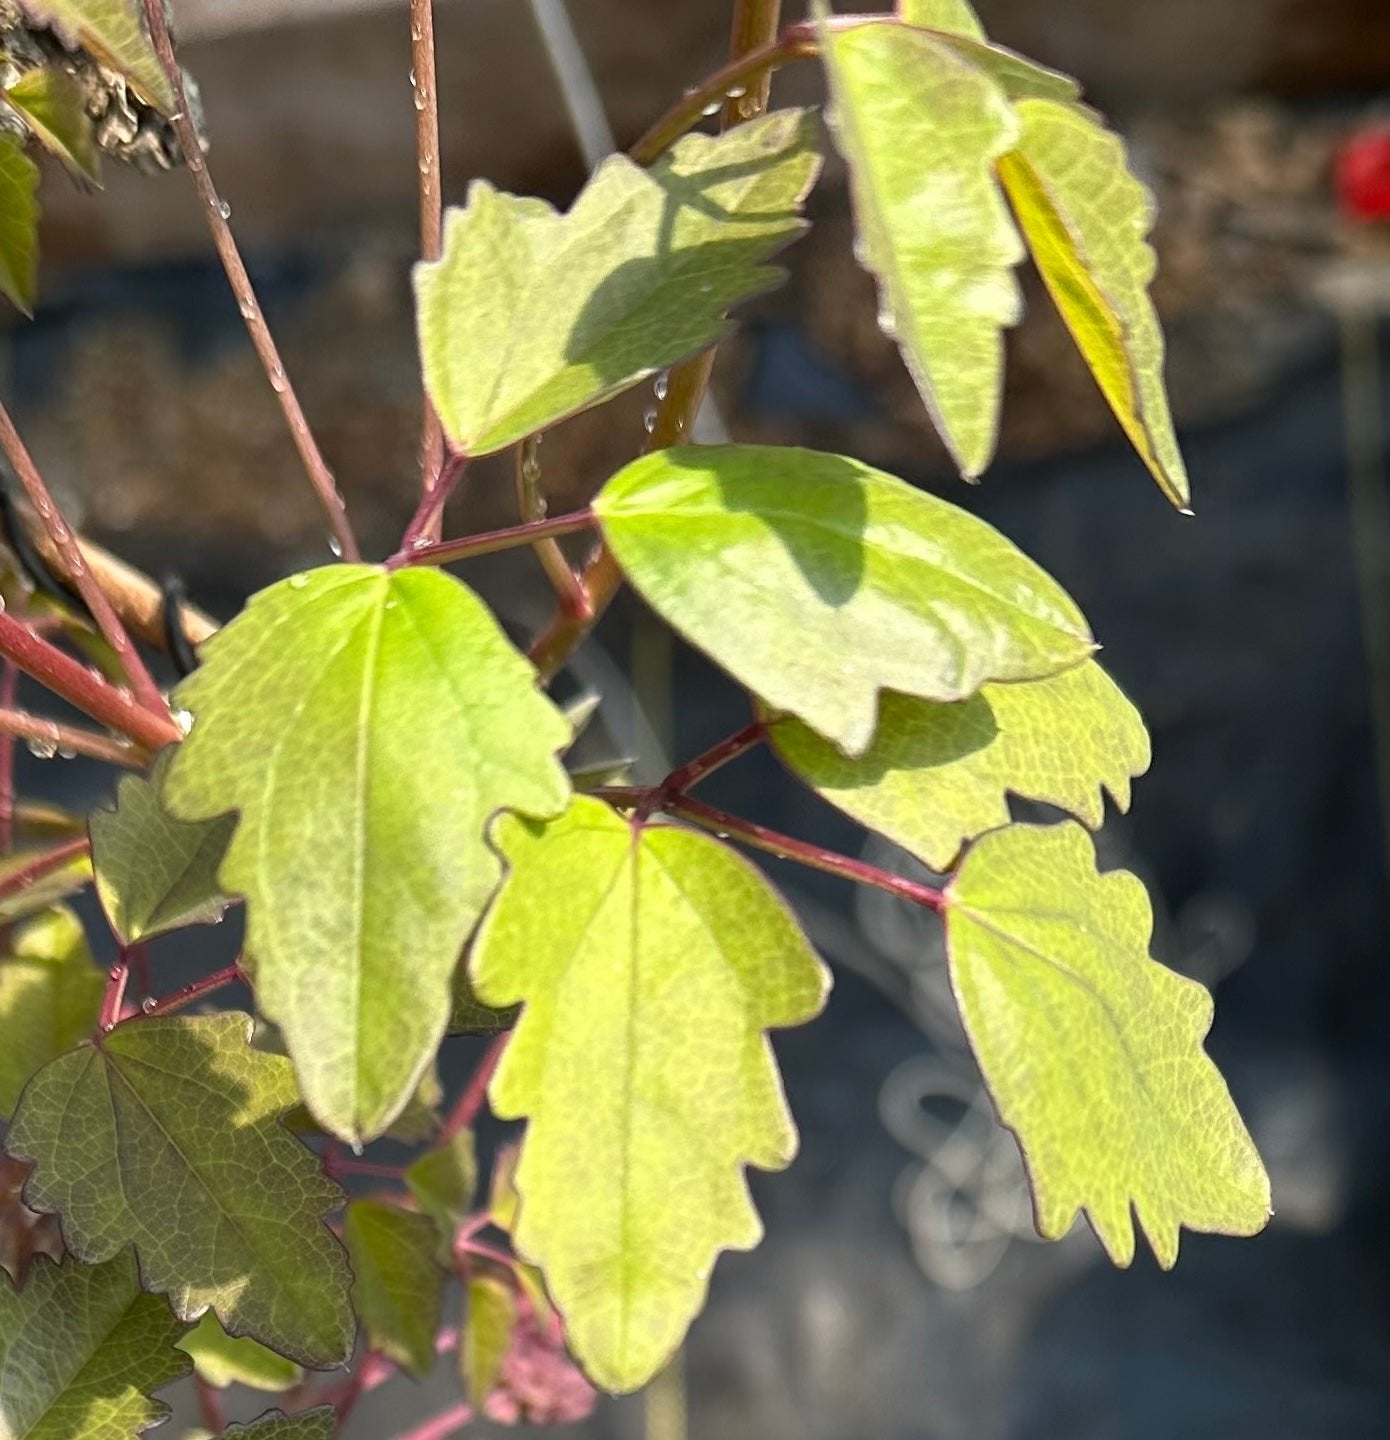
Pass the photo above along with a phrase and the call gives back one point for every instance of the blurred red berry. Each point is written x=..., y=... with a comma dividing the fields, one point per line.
x=1363, y=175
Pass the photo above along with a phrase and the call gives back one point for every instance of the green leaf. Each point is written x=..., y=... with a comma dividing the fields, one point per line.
x=19, y=225
x=398, y=1287
x=650, y=961
x=167, y=1136
x=367, y=725
x=54, y=106
x=502, y=1203
x=50, y=999
x=81, y=1348
x=817, y=582
x=1093, y=1051
x=531, y=316
x=937, y=775
x=155, y=873
x=222, y=1360
x=320, y=1423
x=445, y=1180
x=487, y=1335
x=955, y=17
x=922, y=129
x=1087, y=218
x=468, y=1015
x=114, y=31
x=64, y=880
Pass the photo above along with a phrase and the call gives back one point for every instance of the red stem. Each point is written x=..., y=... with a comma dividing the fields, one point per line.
x=784, y=847
x=75, y=565
x=210, y=1406
x=84, y=688
x=447, y=1422
x=9, y=690
x=114, y=998
x=465, y=1111
x=180, y=999
x=431, y=229
x=468, y=547
x=425, y=523
x=693, y=771
x=42, y=865
x=320, y=476
x=57, y=736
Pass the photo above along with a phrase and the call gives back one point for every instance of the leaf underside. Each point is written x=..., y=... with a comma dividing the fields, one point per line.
x=531, y=315
x=114, y=31
x=817, y=582
x=54, y=106
x=1087, y=218
x=651, y=963
x=1092, y=1050
x=366, y=725
x=222, y=1360
x=320, y=1423
x=397, y=1287
x=167, y=1136
x=938, y=775
x=19, y=225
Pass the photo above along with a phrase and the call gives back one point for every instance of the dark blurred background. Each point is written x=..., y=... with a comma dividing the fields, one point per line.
x=899, y=1294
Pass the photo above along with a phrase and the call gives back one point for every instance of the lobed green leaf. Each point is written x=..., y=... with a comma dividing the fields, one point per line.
x=1087, y=218
x=487, y=1335
x=33, y=896
x=530, y=316
x=937, y=775
x=398, y=1287
x=445, y=1182
x=1092, y=1050
x=81, y=1349
x=50, y=999
x=955, y=17
x=817, y=581
x=19, y=224
x=54, y=106
x=650, y=961
x=921, y=129
x=366, y=725
x=222, y=1360
x=166, y=1135
x=155, y=873
x=320, y=1423
x=114, y=31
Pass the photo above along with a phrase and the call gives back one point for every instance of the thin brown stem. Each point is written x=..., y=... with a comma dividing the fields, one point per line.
x=602, y=578
x=466, y=1109
x=426, y=94
x=216, y=214
x=784, y=847
x=83, y=687
x=468, y=547
x=51, y=737
x=531, y=505
x=73, y=565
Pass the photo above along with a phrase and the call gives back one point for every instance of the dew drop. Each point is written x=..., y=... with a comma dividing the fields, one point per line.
x=42, y=749
x=278, y=383
x=649, y=421
x=413, y=80
x=248, y=307
x=335, y=546
x=184, y=720
x=224, y=209
x=713, y=108
x=531, y=470
x=356, y=1148
x=737, y=92
x=663, y=385
x=148, y=1004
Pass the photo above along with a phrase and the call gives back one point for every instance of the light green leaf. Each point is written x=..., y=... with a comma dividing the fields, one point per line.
x=114, y=31
x=19, y=225
x=60, y=882
x=81, y=1348
x=955, y=17
x=167, y=1136
x=367, y=725
x=155, y=873
x=502, y=1203
x=54, y=106
x=222, y=1360
x=922, y=129
x=320, y=1423
x=445, y=1180
x=531, y=316
x=651, y=962
x=817, y=582
x=50, y=999
x=1093, y=1051
x=937, y=775
x=1087, y=218
x=397, y=1286
x=487, y=1335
